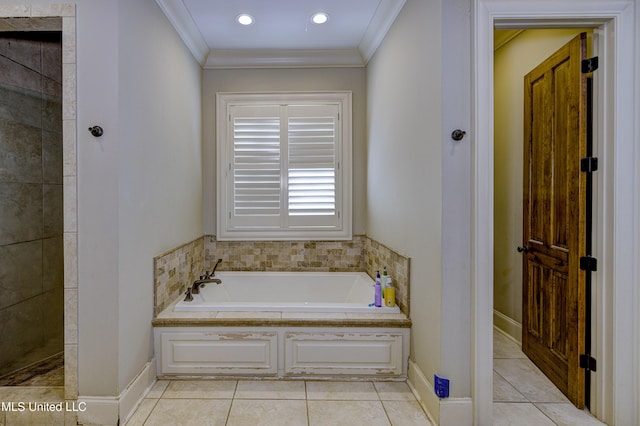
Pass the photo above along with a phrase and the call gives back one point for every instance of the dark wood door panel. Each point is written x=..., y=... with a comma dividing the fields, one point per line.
x=553, y=218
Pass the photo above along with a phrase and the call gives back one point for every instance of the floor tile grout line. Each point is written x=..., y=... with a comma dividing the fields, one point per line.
x=544, y=414
x=306, y=403
x=514, y=387
x=386, y=413
x=148, y=415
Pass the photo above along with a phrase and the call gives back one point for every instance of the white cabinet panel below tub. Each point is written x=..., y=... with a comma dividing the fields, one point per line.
x=344, y=353
x=219, y=353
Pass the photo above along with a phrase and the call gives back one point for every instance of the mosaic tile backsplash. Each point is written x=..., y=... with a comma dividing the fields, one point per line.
x=178, y=268
x=175, y=270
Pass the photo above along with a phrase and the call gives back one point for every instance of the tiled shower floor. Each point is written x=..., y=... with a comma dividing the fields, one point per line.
x=49, y=372
x=522, y=395
x=281, y=403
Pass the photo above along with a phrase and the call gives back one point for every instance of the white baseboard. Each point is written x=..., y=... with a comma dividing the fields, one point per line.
x=426, y=394
x=98, y=410
x=445, y=412
x=105, y=410
x=510, y=326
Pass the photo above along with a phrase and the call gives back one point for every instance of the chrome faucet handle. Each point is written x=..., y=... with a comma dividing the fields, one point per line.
x=195, y=288
x=188, y=297
x=213, y=272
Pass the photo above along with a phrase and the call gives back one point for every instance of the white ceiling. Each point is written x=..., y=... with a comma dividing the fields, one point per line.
x=283, y=34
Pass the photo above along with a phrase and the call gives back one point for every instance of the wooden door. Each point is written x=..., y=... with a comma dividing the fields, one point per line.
x=554, y=218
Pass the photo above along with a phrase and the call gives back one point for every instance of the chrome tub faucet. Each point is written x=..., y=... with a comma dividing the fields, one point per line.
x=205, y=279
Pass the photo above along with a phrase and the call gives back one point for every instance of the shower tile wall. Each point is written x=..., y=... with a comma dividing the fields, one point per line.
x=31, y=224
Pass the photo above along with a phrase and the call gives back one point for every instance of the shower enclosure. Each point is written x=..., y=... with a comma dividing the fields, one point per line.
x=31, y=201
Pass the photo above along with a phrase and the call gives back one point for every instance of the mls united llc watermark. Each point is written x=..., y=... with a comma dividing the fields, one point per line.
x=43, y=406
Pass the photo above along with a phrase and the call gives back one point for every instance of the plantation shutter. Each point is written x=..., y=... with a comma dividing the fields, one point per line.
x=312, y=165
x=255, y=167
x=280, y=166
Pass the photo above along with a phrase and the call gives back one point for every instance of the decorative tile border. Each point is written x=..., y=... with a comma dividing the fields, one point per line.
x=317, y=256
x=177, y=268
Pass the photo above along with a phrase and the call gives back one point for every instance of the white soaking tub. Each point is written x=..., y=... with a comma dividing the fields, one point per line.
x=316, y=325
x=287, y=292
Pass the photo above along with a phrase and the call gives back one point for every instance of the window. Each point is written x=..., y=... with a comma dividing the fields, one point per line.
x=284, y=166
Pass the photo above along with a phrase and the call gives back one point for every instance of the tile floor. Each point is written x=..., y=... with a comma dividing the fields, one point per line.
x=282, y=403
x=49, y=372
x=522, y=395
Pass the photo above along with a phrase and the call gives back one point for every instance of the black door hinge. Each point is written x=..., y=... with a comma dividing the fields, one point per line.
x=588, y=362
x=588, y=263
x=589, y=65
x=589, y=164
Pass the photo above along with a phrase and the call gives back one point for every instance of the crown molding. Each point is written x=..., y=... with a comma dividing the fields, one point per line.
x=183, y=23
x=385, y=15
x=282, y=58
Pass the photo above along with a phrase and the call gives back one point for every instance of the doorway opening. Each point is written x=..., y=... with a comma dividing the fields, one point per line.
x=615, y=205
x=31, y=182
x=61, y=20
x=516, y=377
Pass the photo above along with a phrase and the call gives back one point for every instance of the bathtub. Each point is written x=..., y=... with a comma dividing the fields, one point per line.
x=287, y=292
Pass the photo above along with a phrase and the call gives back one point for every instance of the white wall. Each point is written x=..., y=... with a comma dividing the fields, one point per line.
x=98, y=271
x=512, y=62
x=282, y=80
x=139, y=186
x=404, y=198
x=159, y=167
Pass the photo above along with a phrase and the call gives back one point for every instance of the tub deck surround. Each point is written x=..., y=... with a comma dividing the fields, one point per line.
x=172, y=318
x=281, y=341
x=281, y=344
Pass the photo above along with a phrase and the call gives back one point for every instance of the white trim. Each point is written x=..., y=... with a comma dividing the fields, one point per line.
x=445, y=412
x=186, y=28
x=342, y=229
x=508, y=326
x=385, y=15
x=456, y=411
x=381, y=22
x=424, y=390
x=98, y=410
x=615, y=398
x=105, y=410
x=280, y=58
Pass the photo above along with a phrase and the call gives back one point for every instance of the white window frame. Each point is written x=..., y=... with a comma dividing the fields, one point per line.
x=228, y=229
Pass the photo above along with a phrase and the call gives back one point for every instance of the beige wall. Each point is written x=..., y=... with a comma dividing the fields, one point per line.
x=404, y=163
x=512, y=62
x=139, y=185
x=285, y=80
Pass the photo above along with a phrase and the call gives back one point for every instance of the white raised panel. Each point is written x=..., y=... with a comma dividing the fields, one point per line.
x=219, y=353
x=344, y=353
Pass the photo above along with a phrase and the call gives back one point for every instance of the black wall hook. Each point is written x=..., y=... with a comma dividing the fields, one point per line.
x=458, y=134
x=96, y=131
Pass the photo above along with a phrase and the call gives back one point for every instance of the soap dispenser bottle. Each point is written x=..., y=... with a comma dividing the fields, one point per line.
x=384, y=282
x=377, y=301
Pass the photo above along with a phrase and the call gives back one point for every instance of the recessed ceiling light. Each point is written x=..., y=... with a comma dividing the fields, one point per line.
x=245, y=19
x=320, y=18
